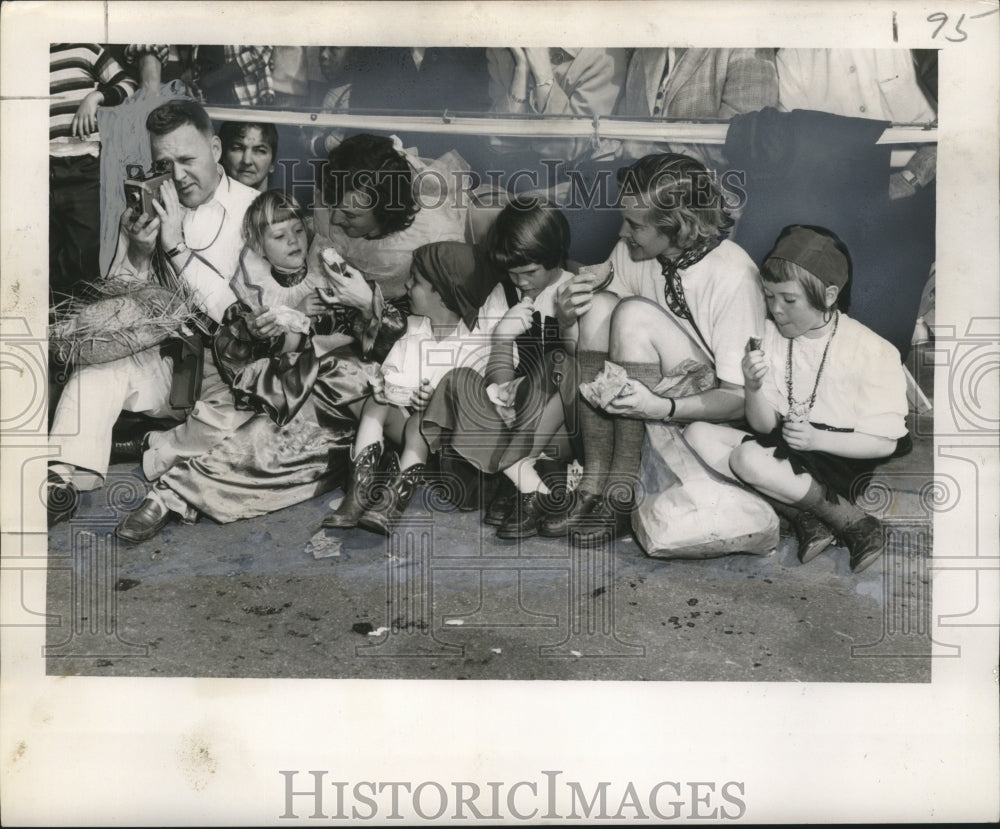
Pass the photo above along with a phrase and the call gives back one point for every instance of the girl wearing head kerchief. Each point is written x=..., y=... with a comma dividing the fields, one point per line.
x=454, y=305
x=825, y=396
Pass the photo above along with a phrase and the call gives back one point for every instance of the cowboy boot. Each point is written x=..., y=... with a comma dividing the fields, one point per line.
x=814, y=536
x=356, y=501
x=390, y=495
x=865, y=540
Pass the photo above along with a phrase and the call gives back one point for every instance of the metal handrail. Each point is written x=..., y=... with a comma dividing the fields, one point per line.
x=539, y=126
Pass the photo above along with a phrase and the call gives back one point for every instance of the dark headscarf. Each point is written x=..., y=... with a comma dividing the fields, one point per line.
x=815, y=252
x=460, y=273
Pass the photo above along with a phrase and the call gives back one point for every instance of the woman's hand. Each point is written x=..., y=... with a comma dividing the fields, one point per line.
x=261, y=324
x=84, y=122
x=755, y=369
x=518, y=92
x=637, y=400
x=348, y=288
x=171, y=214
x=422, y=396
x=540, y=66
x=520, y=59
x=313, y=304
x=575, y=296
x=378, y=389
x=801, y=435
x=539, y=63
x=516, y=321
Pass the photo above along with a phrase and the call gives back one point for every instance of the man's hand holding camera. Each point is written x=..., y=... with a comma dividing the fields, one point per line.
x=171, y=214
x=143, y=229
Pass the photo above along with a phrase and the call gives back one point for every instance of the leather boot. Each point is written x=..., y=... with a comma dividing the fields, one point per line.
x=390, y=494
x=558, y=524
x=600, y=521
x=502, y=503
x=814, y=536
x=363, y=471
x=524, y=517
x=865, y=539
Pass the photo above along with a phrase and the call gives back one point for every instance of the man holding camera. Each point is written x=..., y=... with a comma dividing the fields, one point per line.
x=192, y=238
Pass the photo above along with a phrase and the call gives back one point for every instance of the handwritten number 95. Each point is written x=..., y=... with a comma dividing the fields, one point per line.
x=942, y=19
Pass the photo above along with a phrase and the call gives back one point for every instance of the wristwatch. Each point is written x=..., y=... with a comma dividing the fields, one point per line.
x=909, y=177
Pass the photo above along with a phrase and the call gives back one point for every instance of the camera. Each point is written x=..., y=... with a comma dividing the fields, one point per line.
x=142, y=187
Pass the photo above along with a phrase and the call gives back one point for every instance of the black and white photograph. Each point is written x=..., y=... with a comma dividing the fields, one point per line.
x=387, y=410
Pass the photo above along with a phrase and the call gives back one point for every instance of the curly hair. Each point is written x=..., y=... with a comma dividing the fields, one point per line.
x=682, y=196
x=229, y=131
x=374, y=168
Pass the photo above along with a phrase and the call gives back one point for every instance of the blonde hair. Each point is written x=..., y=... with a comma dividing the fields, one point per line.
x=270, y=208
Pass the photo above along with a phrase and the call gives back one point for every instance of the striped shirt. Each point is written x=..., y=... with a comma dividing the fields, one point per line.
x=76, y=70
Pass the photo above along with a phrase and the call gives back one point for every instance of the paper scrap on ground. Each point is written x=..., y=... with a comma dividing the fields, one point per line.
x=323, y=546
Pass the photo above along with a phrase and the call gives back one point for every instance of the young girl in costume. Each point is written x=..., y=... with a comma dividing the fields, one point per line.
x=453, y=310
x=507, y=420
x=825, y=396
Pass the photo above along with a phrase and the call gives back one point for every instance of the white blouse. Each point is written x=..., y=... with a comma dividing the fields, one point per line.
x=862, y=386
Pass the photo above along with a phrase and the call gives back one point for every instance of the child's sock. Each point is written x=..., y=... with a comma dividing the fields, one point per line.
x=839, y=514
x=525, y=478
x=596, y=428
x=629, y=431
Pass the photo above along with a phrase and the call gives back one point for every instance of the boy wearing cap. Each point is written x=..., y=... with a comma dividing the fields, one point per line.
x=825, y=396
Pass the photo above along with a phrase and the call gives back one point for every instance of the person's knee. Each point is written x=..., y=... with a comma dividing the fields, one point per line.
x=700, y=436
x=747, y=462
x=595, y=325
x=632, y=325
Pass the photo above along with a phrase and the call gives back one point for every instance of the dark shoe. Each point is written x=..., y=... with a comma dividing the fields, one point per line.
x=865, y=539
x=523, y=518
x=61, y=499
x=390, y=494
x=600, y=521
x=144, y=521
x=502, y=504
x=129, y=450
x=814, y=536
x=462, y=482
x=557, y=525
x=363, y=471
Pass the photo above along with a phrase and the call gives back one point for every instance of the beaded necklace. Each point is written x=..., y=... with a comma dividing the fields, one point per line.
x=799, y=409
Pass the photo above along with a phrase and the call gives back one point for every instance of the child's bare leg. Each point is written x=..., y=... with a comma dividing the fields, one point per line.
x=395, y=423
x=372, y=424
x=714, y=443
x=549, y=432
x=756, y=465
x=415, y=449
